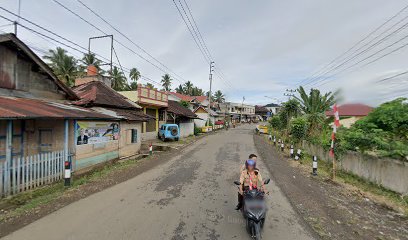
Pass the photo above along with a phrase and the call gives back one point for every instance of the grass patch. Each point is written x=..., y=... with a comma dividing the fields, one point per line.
x=24, y=202
x=325, y=171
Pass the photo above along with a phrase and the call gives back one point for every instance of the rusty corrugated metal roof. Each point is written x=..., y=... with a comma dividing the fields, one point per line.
x=127, y=114
x=26, y=108
x=96, y=93
x=178, y=109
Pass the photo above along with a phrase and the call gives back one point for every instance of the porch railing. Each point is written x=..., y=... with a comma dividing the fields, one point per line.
x=26, y=173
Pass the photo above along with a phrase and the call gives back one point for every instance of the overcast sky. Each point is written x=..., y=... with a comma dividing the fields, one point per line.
x=261, y=47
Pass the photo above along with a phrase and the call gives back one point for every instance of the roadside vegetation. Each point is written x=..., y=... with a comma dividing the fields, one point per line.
x=383, y=133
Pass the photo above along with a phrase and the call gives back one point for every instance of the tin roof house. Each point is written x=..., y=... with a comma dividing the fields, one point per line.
x=37, y=119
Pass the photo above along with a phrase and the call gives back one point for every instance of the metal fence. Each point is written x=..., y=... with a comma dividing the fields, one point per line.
x=25, y=173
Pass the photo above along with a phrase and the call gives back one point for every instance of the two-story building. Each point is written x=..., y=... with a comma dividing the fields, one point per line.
x=154, y=104
x=238, y=112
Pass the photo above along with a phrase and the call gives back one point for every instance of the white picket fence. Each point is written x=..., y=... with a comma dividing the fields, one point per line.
x=25, y=173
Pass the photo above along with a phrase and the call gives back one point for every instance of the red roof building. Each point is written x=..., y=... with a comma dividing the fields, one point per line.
x=351, y=110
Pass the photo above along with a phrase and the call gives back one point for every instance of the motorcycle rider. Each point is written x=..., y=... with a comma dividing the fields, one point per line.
x=243, y=166
x=250, y=179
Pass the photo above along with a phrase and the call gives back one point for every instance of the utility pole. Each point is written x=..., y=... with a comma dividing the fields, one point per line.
x=242, y=107
x=18, y=19
x=210, y=94
x=290, y=93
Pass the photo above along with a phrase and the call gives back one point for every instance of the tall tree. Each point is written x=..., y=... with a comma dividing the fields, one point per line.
x=149, y=85
x=166, y=82
x=63, y=65
x=314, y=105
x=180, y=89
x=196, y=91
x=188, y=88
x=219, y=97
x=118, y=80
x=134, y=75
x=90, y=59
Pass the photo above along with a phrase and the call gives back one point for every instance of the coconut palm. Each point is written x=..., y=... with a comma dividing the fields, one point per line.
x=166, y=82
x=180, y=89
x=149, y=85
x=188, y=88
x=219, y=97
x=119, y=82
x=134, y=75
x=63, y=65
x=90, y=59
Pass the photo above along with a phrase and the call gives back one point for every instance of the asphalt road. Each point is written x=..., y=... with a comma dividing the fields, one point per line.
x=192, y=196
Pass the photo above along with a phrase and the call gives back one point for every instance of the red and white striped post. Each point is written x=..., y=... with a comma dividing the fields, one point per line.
x=333, y=137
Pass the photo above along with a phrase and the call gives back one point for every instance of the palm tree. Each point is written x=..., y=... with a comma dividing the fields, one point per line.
x=166, y=82
x=196, y=91
x=315, y=105
x=149, y=85
x=188, y=88
x=180, y=89
x=219, y=97
x=118, y=80
x=134, y=75
x=90, y=59
x=289, y=110
x=63, y=65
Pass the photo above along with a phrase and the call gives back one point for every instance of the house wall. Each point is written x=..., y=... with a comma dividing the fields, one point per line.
x=87, y=155
x=21, y=78
x=32, y=137
x=204, y=118
x=126, y=147
x=186, y=128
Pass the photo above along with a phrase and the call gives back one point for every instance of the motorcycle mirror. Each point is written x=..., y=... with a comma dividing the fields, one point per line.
x=237, y=183
x=267, y=181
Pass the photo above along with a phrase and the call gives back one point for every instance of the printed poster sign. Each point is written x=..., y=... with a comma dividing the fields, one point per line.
x=96, y=132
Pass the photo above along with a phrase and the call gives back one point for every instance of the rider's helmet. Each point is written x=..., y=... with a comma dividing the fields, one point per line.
x=250, y=162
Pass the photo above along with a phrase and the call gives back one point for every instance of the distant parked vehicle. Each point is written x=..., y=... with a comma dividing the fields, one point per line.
x=169, y=131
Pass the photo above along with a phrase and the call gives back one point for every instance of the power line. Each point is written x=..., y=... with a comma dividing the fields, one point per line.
x=319, y=73
x=198, y=38
x=120, y=43
x=370, y=56
x=64, y=44
x=198, y=30
x=128, y=38
x=366, y=50
x=362, y=40
x=393, y=76
x=195, y=32
x=192, y=34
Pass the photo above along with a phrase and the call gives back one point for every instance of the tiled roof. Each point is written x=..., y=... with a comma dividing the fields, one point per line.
x=188, y=98
x=27, y=108
x=182, y=96
x=178, y=109
x=351, y=110
x=200, y=98
x=96, y=93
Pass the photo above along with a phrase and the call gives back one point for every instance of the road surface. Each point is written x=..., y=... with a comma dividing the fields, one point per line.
x=192, y=196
